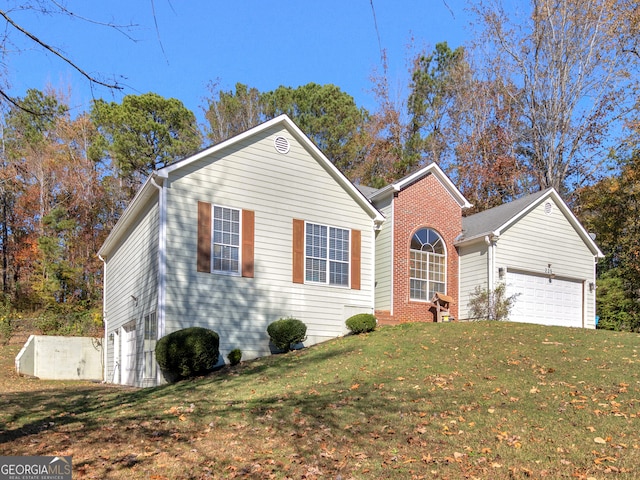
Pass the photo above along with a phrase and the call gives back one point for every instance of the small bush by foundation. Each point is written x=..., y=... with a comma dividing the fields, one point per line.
x=235, y=356
x=361, y=323
x=286, y=332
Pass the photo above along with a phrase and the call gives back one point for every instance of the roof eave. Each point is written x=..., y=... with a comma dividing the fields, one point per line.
x=128, y=216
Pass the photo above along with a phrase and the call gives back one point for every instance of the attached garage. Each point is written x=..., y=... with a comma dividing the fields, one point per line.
x=538, y=249
x=545, y=300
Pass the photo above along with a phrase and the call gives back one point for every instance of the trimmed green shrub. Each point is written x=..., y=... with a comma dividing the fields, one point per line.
x=235, y=356
x=286, y=332
x=189, y=352
x=361, y=323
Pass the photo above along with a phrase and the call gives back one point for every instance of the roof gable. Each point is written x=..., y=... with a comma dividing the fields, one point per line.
x=285, y=122
x=156, y=179
x=494, y=221
x=431, y=169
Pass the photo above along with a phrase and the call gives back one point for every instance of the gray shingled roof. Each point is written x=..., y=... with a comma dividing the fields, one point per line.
x=366, y=191
x=489, y=221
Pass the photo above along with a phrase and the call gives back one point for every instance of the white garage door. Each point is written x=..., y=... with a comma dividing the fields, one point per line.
x=545, y=301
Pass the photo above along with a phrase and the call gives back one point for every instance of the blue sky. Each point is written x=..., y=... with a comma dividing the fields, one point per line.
x=260, y=43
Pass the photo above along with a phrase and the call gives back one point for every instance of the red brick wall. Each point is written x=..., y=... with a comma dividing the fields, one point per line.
x=424, y=204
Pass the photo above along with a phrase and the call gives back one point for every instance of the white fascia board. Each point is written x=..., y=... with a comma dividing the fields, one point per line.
x=432, y=168
x=127, y=217
x=342, y=180
x=164, y=172
x=577, y=225
x=476, y=239
x=566, y=211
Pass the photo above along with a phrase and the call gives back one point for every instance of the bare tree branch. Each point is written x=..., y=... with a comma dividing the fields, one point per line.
x=22, y=107
x=88, y=76
x=375, y=24
x=118, y=28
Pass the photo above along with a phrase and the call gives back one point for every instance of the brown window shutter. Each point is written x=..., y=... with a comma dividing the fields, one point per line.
x=248, y=235
x=298, y=251
x=204, y=237
x=356, y=241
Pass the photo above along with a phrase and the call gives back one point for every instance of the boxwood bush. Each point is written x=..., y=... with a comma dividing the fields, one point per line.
x=286, y=332
x=235, y=356
x=361, y=323
x=188, y=353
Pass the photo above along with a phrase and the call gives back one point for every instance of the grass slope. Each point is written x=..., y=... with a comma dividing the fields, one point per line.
x=461, y=400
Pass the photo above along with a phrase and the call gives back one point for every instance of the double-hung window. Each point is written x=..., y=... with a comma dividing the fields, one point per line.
x=226, y=240
x=326, y=254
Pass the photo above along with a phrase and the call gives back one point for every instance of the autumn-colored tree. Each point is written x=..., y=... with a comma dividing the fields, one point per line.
x=487, y=167
x=574, y=80
x=56, y=210
x=611, y=209
x=383, y=137
x=29, y=143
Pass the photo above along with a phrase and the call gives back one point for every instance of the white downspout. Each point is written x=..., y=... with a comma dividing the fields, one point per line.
x=104, y=318
x=393, y=246
x=162, y=266
x=595, y=289
x=490, y=264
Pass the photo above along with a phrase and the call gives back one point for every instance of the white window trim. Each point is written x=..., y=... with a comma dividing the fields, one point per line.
x=328, y=271
x=446, y=259
x=149, y=343
x=237, y=273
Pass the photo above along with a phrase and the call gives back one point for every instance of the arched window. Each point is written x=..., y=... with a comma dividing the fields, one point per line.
x=428, y=260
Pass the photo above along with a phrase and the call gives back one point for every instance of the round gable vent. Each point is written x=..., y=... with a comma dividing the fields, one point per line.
x=548, y=208
x=281, y=144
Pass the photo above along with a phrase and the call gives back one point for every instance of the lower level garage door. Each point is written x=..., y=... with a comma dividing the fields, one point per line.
x=545, y=301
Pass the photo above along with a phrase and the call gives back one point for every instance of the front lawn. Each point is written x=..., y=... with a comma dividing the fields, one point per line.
x=459, y=400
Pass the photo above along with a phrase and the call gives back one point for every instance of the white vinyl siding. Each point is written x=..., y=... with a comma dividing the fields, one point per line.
x=384, y=255
x=131, y=288
x=473, y=272
x=278, y=188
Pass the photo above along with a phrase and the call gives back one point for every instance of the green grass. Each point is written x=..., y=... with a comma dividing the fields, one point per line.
x=459, y=400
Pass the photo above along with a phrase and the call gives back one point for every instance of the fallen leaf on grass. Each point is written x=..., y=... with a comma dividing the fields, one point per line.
x=600, y=440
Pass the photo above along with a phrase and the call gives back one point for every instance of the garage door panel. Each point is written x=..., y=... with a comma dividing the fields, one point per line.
x=545, y=301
